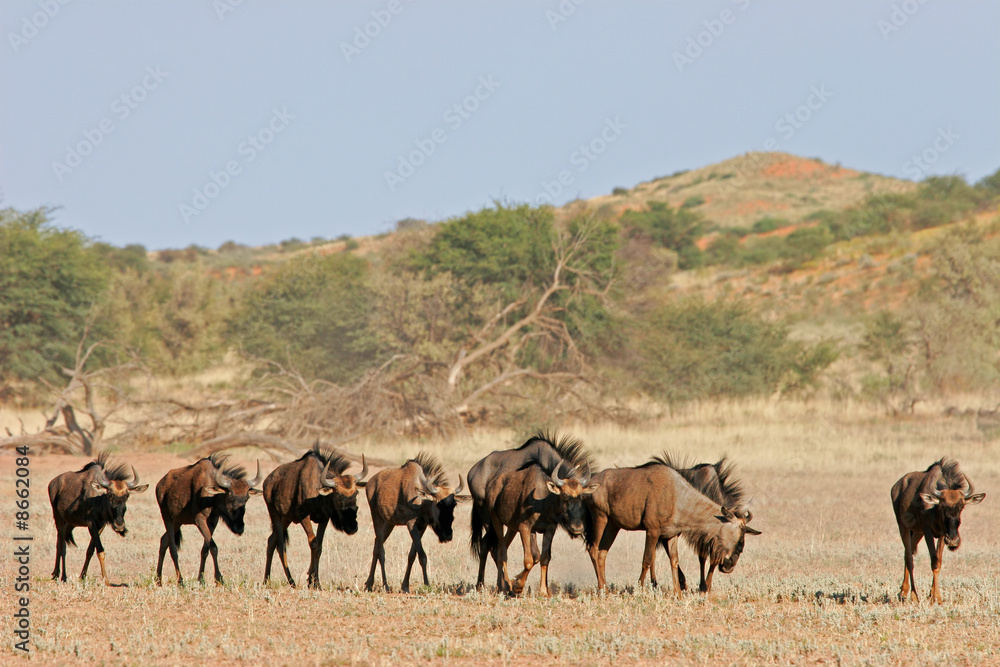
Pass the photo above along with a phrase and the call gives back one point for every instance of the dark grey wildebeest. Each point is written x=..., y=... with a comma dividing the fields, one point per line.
x=529, y=501
x=201, y=494
x=91, y=497
x=415, y=495
x=304, y=491
x=929, y=505
x=717, y=481
x=542, y=449
x=657, y=499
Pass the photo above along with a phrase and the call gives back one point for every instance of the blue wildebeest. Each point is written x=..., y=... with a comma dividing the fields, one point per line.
x=657, y=499
x=91, y=497
x=527, y=501
x=415, y=495
x=201, y=494
x=929, y=505
x=303, y=491
x=542, y=449
x=717, y=481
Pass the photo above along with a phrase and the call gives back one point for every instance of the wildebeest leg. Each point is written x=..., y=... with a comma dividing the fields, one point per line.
x=706, y=586
x=648, y=554
x=95, y=545
x=276, y=540
x=672, y=552
x=315, y=552
x=530, y=548
x=607, y=539
x=169, y=541
x=910, y=542
x=60, y=552
x=503, y=580
x=416, y=551
x=937, y=555
x=546, y=556
x=207, y=547
x=600, y=521
x=382, y=531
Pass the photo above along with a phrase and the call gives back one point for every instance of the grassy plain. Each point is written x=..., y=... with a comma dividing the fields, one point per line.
x=818, y=587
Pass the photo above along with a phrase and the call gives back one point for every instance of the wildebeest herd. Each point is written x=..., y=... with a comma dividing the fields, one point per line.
x=545, y=483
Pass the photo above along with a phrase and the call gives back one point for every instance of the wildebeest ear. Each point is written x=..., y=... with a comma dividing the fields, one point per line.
x=254, y=491
x=463, y=498
x=930, y=500
x=98, y=488
x=728, y=513
x=591, y=488
x=973, y=500
x=209, y=491
x=751, y=531
x=552, y=486
x=139, y=489
x=325, y=490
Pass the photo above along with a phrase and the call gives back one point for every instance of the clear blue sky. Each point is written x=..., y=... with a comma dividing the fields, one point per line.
x=344, y=120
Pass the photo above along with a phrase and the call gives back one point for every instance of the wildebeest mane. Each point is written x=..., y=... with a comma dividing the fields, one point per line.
x=230, y=470
x=338, y=462
x=569, y=448
x=951, y=474
x=115, y=472
x=432, y=468
x=723, y=488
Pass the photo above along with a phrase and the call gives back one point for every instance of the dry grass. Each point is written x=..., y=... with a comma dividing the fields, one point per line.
x=818, y=587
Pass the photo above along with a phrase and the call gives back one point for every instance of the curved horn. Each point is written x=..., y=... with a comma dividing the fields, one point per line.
x=135, y=479
x=364, y=470
x=555, y=477
x=972, y=489
x=255, y=482
x=427, y=484
x=749, y=515
x=324, y=480
x=222, y=481
x=461, y=486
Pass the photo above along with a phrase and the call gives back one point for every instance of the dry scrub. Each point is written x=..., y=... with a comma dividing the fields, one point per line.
x=818, y=587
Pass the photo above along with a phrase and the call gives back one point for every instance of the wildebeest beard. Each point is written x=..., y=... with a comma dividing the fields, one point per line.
x=345, y=519
x=233, y=522
x=116, y=510
x=446, y=517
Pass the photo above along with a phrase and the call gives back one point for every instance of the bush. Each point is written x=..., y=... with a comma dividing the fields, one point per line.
x=768, y=224
x=620, y=191
x=695, y=349
x=692, y=202
x=676, y=229
x=313, y=313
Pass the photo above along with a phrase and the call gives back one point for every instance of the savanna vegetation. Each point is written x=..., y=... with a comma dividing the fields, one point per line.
x=509, y=314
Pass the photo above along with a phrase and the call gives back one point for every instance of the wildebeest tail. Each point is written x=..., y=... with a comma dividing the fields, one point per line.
x=482, y=536
x=69, y=538
x=177, y=538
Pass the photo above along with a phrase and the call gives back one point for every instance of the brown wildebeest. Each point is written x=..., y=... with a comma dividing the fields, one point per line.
x=929, y=504
x=657, y=499
x=303, y=492
x=91, y=497
x=716, y=481
x=529, y=501
x=415, y=495
x=200, y=494
x=542, y=449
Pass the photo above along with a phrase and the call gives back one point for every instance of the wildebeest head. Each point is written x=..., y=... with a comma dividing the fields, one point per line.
x=343, y=492
x=231, y=483
x=111, y=483
x=439, y=498
x=949, y=503
x=729, y=542
x=572, y=492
